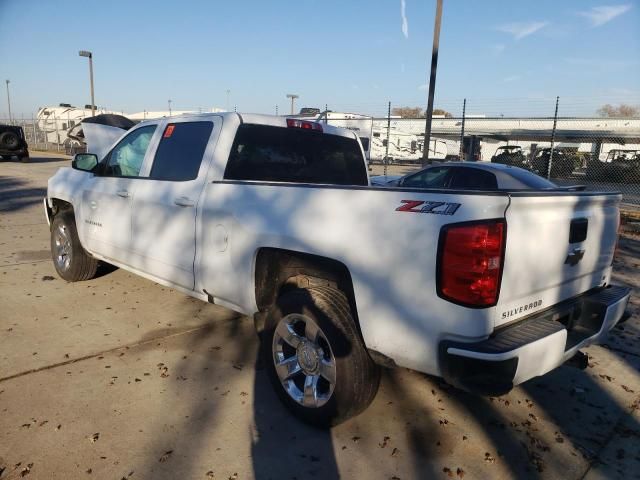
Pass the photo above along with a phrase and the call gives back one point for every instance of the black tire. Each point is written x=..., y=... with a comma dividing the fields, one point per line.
x=9, y=141
x=357, y=377
x=24, y=158
x=76, y=264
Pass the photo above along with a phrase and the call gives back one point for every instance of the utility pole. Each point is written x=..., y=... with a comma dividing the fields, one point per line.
x=89, y=55
x=9, y=102
x=293, y=97
x=464, y=109
x=386, y=155
x=553, y=138
x=432, y=81
x=169, y=102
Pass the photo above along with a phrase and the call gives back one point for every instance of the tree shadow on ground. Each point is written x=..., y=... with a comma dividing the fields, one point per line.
x=16, y=194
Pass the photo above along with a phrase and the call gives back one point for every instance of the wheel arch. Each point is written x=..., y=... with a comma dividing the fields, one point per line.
x=58, y=205
x=277, y=270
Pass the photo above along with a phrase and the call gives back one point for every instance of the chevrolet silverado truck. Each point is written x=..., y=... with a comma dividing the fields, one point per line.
x=275, y=218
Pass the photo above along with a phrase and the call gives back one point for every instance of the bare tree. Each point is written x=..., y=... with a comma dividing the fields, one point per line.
x=407, y=112
x=439, y=111
x=622, y=110
x=417, y=112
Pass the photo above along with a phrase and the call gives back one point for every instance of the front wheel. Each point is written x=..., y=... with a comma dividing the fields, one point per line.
x=70, y=259
x=315, y=357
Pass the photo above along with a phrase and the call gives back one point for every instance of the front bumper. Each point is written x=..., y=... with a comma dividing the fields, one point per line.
x=533, y=346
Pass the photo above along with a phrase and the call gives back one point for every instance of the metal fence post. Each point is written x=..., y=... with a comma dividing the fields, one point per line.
x=55, y=122
x=464, y=110
x=553, y=137
x=46, y=137
x=35, y=135
x=386, y=155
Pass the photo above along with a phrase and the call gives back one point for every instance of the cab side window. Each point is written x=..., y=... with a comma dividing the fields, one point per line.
x=180, y=151
x=435, y=177
x=473, y=179
x=125, y=160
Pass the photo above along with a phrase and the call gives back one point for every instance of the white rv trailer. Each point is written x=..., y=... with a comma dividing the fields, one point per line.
x=56, y=121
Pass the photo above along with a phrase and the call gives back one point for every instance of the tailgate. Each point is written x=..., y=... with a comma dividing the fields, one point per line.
x=558, y=246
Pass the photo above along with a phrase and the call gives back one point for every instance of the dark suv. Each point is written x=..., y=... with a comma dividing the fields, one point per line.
x=13, y=143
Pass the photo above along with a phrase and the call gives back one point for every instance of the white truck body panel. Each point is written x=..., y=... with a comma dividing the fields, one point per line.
x=203, y=236
x=535, y=269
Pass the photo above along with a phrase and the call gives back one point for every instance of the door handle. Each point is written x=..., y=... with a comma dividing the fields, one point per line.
x=123, y=193
x=184, y=202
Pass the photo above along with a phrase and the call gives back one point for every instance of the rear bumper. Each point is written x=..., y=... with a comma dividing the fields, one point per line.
x=533, y=346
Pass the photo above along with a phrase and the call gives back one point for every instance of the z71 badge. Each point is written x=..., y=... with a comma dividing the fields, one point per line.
x=421, y=206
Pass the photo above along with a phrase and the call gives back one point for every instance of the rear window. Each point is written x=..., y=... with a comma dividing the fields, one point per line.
x=266, y=153
x=180, y=151
x=530, y=179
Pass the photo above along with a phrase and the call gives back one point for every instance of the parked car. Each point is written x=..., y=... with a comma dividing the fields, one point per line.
x=467, y=176
x=13, y=143
x=510, y=155
x=563, y=164
x=275, y=218
x=620, y=166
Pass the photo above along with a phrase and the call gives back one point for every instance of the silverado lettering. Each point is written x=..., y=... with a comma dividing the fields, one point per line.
x=522, y=308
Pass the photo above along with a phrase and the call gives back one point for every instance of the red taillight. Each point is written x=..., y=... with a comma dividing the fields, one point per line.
x=470, y=263
x=293, y=123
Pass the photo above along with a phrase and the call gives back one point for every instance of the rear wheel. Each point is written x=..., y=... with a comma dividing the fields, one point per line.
x=315, y=357
x=70, y=259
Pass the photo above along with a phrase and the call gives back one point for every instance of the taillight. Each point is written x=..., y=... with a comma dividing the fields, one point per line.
x=304, y=125
x=470, y=259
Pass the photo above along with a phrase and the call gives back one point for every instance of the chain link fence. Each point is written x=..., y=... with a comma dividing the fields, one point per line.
x=48, y=135
x=599, y=153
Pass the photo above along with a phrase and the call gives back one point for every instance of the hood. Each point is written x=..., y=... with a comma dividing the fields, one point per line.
x=101, y=131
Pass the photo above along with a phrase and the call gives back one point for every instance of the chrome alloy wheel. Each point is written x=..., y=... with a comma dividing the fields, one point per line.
x=62, y=241
x=304, y=361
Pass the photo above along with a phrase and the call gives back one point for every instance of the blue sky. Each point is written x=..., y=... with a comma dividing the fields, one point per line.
x=508, y=57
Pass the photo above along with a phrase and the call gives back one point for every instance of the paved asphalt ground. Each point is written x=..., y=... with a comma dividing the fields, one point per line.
x=119, y=377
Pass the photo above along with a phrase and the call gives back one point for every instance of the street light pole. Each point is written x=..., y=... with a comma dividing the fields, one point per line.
x=9, y=103
x=432, y=81
x=293, y=97
x=89, y=55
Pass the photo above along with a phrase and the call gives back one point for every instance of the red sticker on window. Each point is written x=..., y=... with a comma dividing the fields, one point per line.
x=168, y=131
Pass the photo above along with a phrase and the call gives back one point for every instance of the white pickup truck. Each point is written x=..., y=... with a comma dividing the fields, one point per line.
x=275, y=218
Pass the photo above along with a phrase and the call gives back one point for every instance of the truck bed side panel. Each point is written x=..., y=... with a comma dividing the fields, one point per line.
x=390, y=254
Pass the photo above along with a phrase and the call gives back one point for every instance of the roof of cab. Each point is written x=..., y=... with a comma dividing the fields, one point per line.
x=257, y=118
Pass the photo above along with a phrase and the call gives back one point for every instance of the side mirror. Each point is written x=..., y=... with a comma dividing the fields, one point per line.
x=86, y=162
